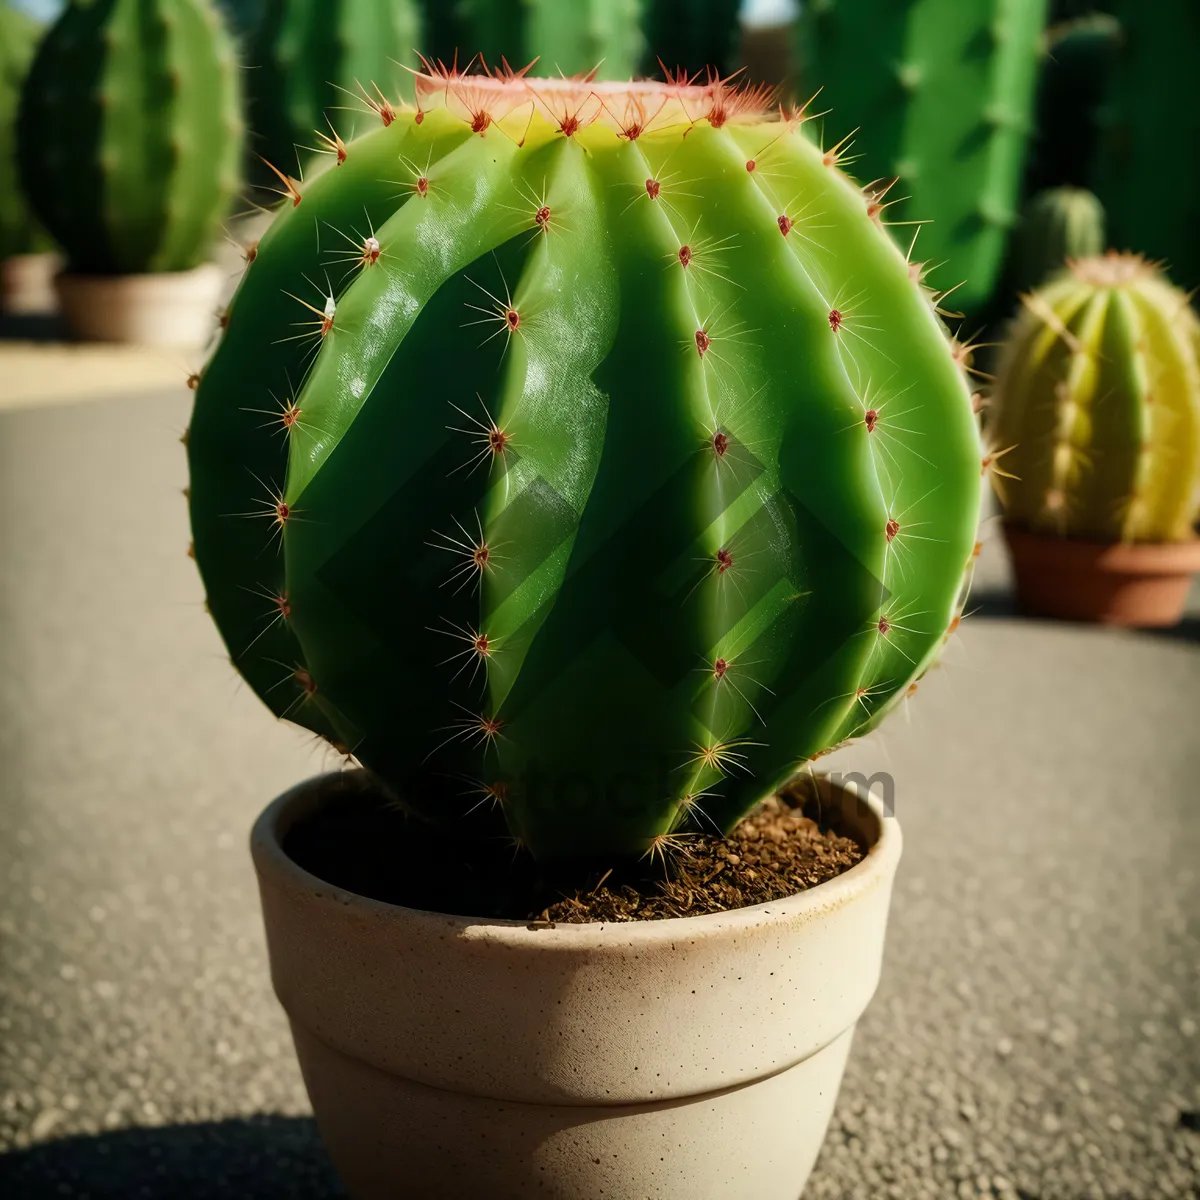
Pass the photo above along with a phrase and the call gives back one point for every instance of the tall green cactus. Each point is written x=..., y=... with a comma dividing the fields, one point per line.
x=939, y=93
x=1099, y=398
x=129, y=133
x=19, y=36
x=1056, y=225
x=595, y=457
x=1145, y=175
x=316, y=63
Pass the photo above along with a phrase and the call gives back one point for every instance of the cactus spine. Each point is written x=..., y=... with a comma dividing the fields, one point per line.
x=1056, y=225
x=939, y=94
x=1099, y=398
x=1147, y=186
x=622, y=467
x=19, y=35
x=313, y=60
x=129, y=133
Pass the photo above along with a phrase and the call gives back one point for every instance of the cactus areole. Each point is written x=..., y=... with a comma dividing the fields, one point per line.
x=583, y=458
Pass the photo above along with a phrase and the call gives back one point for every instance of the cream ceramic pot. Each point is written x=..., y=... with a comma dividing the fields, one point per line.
x=451, y=1058
x=27, y=285
x=175, y=308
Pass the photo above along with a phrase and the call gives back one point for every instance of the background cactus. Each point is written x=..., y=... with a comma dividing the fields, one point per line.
x=556, y=461
x=570, y=38
x=1074, y=82
x=242, y=16
x=939, y=93
x=691, y=34
x=1099, y=398
x=1145, y=181
x=129, y=134
x=19, y=36
x=310, y=61
x=1056, y=225
x=617, y=37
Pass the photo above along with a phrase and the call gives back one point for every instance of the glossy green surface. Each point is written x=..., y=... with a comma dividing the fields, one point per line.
x=938, y=93
x=694, y=458
x=130, y=133
x=1099, y=398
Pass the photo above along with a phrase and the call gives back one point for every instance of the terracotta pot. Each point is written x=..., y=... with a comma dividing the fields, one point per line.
x=27, y=285
x=1138, y=584
x=176, y=308
x=452, y=1058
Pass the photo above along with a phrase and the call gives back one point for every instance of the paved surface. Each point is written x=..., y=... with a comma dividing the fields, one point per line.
x=1035, y=1034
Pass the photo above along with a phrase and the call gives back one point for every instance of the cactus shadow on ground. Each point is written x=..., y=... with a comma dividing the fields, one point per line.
x=253, y=1158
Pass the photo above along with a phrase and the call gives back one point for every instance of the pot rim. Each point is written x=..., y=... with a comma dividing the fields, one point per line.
x=875, y=869
x=202, y=271
x=1124, y=558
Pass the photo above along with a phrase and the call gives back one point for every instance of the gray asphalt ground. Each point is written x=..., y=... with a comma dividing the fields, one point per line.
x=1036, y=1033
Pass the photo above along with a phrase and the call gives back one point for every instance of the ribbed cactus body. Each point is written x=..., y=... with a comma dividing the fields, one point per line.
x=313, y=62
x=1145, y=174
x=617, y=473
x=938, y=93
x=130, y=133
x=1099, y=396
x=19, y=35
x=1056, y=225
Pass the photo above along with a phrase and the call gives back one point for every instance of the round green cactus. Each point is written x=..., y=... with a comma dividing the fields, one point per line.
x=314, y=62
x=19, y=34
x=1099, y=399
x=585, y=456
x=129, y=134
x=1056, y=225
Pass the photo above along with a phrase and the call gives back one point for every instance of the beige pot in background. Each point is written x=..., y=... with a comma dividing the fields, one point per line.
x=27, y=285
x=452, y=1058
x=175, y=308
